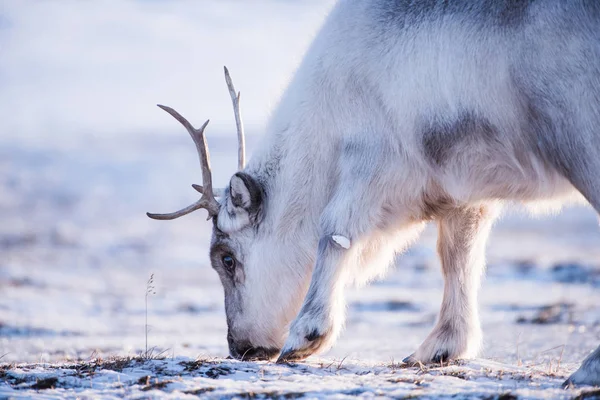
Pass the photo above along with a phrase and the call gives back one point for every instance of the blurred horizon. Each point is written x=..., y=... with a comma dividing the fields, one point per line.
x=75, y=71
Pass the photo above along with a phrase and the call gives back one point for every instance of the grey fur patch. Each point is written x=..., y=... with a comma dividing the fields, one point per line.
x=441, y=139
x=359, y=153
x=312, y=306
x=511, y=13
x=539, y=127
x=323, y=245
x=552, y=134
x=222, y=245
x=410, y=13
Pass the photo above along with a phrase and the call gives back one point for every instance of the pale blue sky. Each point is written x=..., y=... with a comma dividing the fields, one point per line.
x=71, y=69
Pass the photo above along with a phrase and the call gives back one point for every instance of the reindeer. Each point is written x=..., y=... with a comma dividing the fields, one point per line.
x=400, y=113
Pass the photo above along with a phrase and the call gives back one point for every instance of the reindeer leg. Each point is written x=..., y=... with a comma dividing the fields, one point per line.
x=322, y=315
x=461, y=245
x=581, y=167
x=350, y=227
x=568, y=139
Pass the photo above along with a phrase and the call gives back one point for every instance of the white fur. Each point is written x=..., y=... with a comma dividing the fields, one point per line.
x=343, y=152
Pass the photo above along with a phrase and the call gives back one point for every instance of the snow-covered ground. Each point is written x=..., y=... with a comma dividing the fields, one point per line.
x=84, y=154
x=218, y=378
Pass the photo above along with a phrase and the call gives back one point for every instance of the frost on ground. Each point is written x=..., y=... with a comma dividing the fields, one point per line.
x=218, y=378
x=76, y=248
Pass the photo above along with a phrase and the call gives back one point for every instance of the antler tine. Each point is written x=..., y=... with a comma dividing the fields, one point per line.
x=235, y=99
x=207, y=200
x=184, y=211
x=216, y=191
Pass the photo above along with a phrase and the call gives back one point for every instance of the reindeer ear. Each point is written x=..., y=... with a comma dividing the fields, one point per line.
x=243, y=203
x=245, y=192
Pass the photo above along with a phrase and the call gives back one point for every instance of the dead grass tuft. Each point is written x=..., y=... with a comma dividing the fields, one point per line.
x=199, y=391
x=407, y=379
x=156, y=384
x=206, y=368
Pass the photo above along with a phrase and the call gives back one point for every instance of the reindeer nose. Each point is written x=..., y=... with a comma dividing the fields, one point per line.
x=254, y=353
x=244, y=351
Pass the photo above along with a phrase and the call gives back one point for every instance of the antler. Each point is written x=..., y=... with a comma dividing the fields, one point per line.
x=235, y=99
x=207, y=200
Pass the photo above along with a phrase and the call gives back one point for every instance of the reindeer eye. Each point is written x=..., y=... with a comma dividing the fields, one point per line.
x=228, y=262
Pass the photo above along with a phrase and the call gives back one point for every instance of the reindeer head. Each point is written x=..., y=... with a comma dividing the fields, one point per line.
x=260, y=298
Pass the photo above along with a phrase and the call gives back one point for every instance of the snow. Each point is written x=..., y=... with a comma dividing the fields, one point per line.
x=84, y=154
x=218, y=378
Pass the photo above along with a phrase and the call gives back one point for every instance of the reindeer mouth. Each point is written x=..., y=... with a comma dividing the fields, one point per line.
x=254, y=353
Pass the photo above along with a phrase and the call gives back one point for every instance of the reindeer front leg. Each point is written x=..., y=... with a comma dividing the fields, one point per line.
x=347, y=222
x=322, y=315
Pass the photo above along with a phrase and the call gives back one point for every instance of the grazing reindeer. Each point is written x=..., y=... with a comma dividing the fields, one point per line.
x=403, y=112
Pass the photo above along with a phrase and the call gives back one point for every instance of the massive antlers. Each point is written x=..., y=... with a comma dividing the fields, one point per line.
x=207, y=200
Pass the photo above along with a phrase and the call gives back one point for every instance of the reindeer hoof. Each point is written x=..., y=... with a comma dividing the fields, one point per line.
x=448, y=342
x=311, y=332
x=438, y=358
x=441, y=357
x=300, y=351
x=290, y=356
